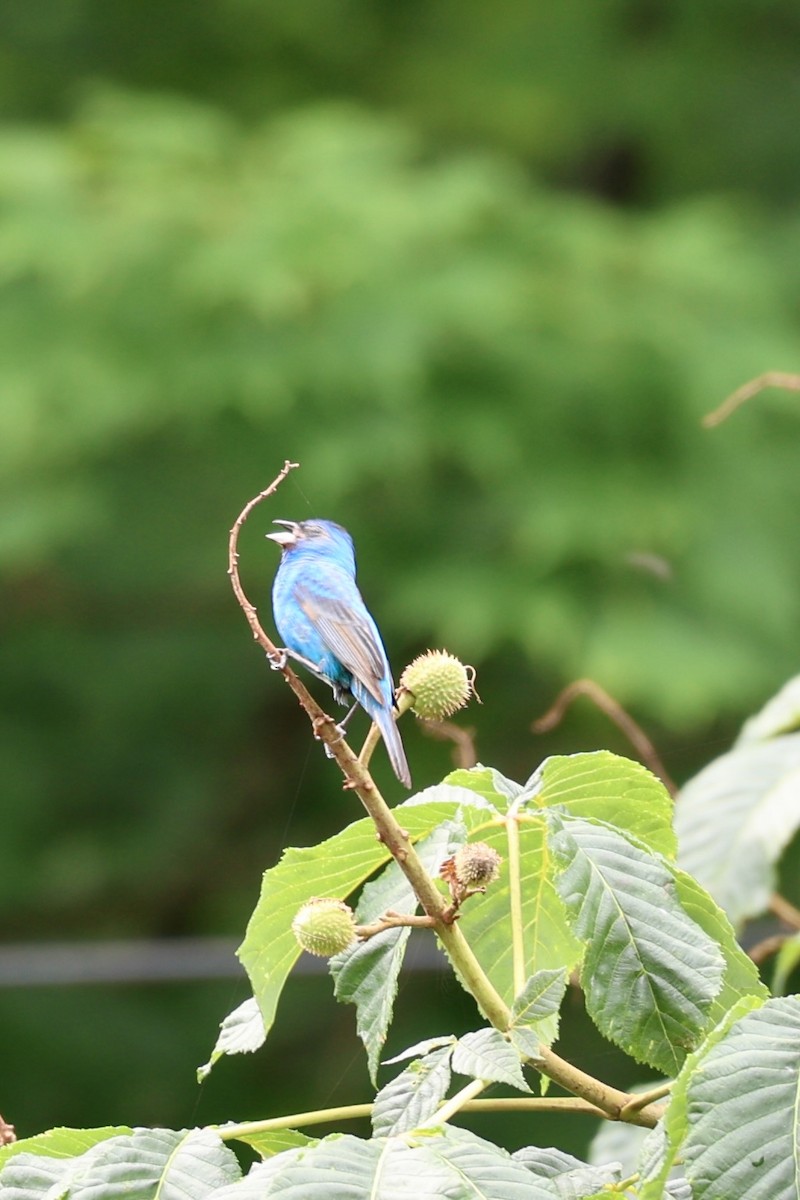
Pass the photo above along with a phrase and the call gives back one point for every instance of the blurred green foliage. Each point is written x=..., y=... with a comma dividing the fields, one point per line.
x=481, y=270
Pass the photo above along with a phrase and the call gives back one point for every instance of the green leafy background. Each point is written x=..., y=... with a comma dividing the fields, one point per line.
x=481, y=269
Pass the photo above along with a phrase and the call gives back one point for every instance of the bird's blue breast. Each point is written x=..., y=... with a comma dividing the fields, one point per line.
x=304, y=574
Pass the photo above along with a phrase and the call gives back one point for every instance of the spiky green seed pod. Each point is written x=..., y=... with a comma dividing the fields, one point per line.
x=476, y=865
x=439, y=683
x=324, y=926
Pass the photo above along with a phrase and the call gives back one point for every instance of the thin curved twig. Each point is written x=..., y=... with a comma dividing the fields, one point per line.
x=782, y=908
x=770, y=379
x=463, y=740
x=614, y=710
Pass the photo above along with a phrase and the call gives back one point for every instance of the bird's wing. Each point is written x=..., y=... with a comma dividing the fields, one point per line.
x=350, y=635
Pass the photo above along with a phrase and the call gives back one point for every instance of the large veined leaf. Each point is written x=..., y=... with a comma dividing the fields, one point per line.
x=149, y=1163
x=569, y=1178
x=61, y=1143
x=741, y=976
x=608, y=788
x=520, y=927
x=662, y=1147
x=734, y=819
x=743, y=1110
x=485, y=1054
x=486, y=782
x=650, y=973
x=540, y=998
x=332, y=868
x=413, y=1096
x=444, y=1164
x=366, y=974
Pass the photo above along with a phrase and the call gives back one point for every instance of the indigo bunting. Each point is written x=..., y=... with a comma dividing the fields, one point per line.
x=325, y=625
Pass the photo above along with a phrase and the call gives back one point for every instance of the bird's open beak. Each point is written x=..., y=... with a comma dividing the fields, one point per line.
x=285, y=537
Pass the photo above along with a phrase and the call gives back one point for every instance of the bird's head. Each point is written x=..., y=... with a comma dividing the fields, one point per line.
x=314, y=537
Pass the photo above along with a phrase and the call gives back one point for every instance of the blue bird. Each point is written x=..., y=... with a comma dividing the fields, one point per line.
x=325, y=625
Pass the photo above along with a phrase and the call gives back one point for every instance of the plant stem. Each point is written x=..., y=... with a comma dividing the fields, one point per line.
x=245, y=1129
x=786, y=911
x=641, y=1099
x=451, y=1106
x=461, y=1102
x=515, y=896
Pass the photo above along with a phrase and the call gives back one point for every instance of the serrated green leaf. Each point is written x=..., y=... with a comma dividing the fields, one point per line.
x=486, y=1054
x=366, y=974
x=450, y=800
x=420, y=1049
x=149, y=1162
x=741, y=975
x=527, y=1044
x=368, y=979
x=734, y=820
x=414, y=1095
x=650, y=973
x=486, y=782
x=61, y=1142
x=242, y=1032
x=655, y=1160
x=541, y=997
x=660, y=1152
x=568, y=1177
x=606, y=787
x=268, y=1143
x=743, y=1110
x=448, y=1163
x=487, y=1171
x=333, y=868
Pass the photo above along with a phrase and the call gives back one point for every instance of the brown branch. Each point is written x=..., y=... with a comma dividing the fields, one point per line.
x=233, y=562
x=768, y=946
x=324, y=726
x=463, y=740
x=770, y=379
x=615, y=712
x=7, y=1133
x=783, y=909
x=641, y=1100
x=393, y=920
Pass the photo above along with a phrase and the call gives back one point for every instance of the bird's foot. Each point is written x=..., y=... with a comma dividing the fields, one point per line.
x=340, y=729
x=277, y=661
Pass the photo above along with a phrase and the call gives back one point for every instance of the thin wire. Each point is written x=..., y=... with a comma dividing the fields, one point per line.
x=168, y=960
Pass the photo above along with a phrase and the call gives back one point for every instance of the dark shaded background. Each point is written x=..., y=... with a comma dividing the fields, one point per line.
x=481, y=270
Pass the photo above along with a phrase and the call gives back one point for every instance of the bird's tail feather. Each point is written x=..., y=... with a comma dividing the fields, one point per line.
x=394, y=747
x=384, y=719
